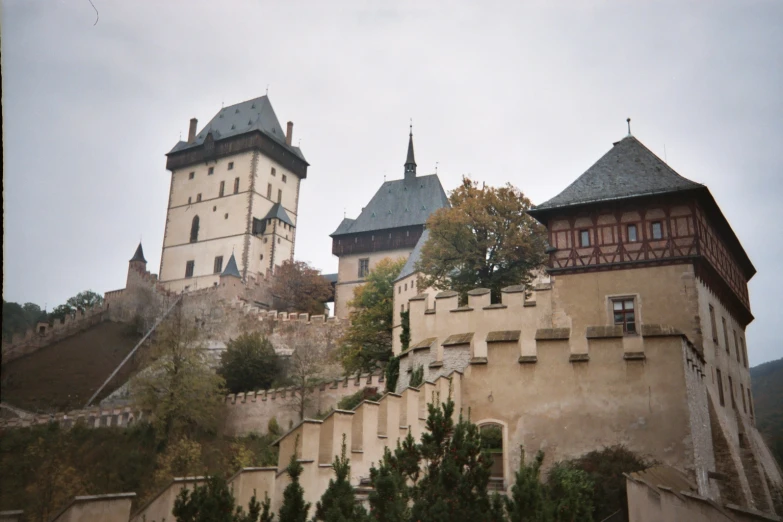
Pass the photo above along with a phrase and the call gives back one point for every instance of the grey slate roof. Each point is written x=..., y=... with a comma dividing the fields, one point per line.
x=332, y=278
x=629, y=169
x=231, y=268
x=139, y=255
x=398, y=203
x=410, y=265
x=278, y=212
x=252, y=115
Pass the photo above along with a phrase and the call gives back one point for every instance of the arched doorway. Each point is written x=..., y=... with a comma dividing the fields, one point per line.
x=492, y=443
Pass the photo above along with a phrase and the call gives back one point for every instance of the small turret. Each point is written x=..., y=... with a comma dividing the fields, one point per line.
x=231, y=280
x=137, y=264
x=410, y=161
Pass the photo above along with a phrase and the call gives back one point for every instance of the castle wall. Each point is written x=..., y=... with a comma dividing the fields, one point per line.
x=348, y=276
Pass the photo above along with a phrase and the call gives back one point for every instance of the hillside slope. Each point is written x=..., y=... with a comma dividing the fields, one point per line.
x=62, y=376
x=767, y=381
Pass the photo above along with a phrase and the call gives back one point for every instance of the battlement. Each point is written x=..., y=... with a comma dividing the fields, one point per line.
x=45, y=334
x=119, y=417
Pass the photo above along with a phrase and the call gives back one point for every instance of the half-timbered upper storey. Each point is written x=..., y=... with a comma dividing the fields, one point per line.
x=631, y=209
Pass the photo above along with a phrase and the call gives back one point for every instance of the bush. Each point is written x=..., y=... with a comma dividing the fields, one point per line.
x=249, y=363
x=352, y=401
x=392, y=374
x=417, y=377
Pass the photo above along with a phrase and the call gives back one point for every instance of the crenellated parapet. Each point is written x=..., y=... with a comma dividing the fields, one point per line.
x=119, y=417
x=45, y=333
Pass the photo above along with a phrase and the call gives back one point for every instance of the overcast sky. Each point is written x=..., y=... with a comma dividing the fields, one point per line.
x=531, y=93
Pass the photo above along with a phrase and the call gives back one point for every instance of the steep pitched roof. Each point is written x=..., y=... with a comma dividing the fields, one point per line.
x=139, y=255
x=410, y=265
x=251, y=115
x=231, y=268
x=398, y=203
x=278, y=212
x=629, y=169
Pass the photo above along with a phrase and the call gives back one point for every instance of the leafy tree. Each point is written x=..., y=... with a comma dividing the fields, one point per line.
x=249, y=363
x=392, y=374
x=85, y=300
x=350, y=402
x=484, y=239
x=213, y=502
x=17, y=319
x=338, y=503
x=294, y=508
x=405, y=329
x=570, y=493
x=181, y=458
x=298, y=287
x=367, y=342
x=307, y=365
x=179, y=388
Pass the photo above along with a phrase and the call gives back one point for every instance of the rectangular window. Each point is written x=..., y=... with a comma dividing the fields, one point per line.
x=190, y=200
x=211, y=170
x=191, y=175
x=726, y=335
x=720, y=387
x=744, y=353
x=744, y=404
x=259, y=226
x=230, y=165
x=364, y=267
x=584, y=238
x=750, y=402
x=632, y=234
x=714, y=324
x=736, y=346
x=269, y=191
x=222, y=188
x=731, y=392
x=189, y=266
x=402, y=309
x=657, y=230
x=624, y=314
x=285, y=178
x=279, y=195
x=399, y=289
x=198, y=198
x=236, y=185
x=274, y=172
x=218, y=264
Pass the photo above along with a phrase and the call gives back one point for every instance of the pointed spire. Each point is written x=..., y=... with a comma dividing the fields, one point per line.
x=410, y=161
x=139, y=255
x=231, y=268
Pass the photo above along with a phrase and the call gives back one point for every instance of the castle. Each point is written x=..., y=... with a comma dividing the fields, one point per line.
x=634, y=334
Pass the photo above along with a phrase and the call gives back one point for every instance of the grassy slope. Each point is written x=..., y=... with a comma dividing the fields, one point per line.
x=768, y=401
x=62, y=376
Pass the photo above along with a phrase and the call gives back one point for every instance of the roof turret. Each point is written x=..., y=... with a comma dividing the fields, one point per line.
x=139, y=255
x=231, y=268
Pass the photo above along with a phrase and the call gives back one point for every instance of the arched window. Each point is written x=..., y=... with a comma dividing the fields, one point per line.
x=194, y=230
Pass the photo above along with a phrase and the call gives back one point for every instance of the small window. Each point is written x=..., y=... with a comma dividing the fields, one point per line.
x=714, y=324
x=720, y=387
x=399, y=289
x=736, y=345
x=222, y=188
x=279, y=195
x=657, y=230
x=624, y=314
x=584, y=238
x=211, y=170
x=402, y=309
x=189, y=266
x=230, y=165
x=406, y=287
x=632, y=234
x=274, y=172
x=269, y=191
x=262, y=257
x=191, y=175
x=744, y=353
x=726, y=335
x=744, y=404
x=236, y=185
x=278, y=240
x=194, y=229
x=731, y=393
x=364, y=267
x=198, y=198
x=190, y=200
x=750, y=402
x=285, y=178
x=218, y=264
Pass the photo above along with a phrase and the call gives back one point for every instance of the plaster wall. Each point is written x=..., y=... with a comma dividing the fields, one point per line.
x=159, y=508
x=348, y=276
x=106, y=508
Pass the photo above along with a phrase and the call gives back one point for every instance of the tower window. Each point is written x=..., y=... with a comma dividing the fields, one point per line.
x=190, y=200
x=744, y=353
x=198, y=198
x=720, y=387
x=736, y=345
x=632, y=234
x=191, y=175
x=211, y=170
x=285, y=178
x=364, y=267
x=236, y=185
x=274, y=172
x=230, y=165
x=714, y=324
x=222, y=188
x=744, y=404
x=218, y=264
x=584, y=238
x=624, y=313
x=279, y=195
x=726, y=335
x=269, y=191
x=189, y=266
x=194, y=229
x=657, y=230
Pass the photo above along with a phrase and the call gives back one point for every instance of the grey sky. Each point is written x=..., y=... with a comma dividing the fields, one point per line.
x=525, y=92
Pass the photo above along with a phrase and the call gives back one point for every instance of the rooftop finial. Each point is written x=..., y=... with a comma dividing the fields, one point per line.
x=267, y=89
x=411, y=128
x=628, y=120
x=436, y=167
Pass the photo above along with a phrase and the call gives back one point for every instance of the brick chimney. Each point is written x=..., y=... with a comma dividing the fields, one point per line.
x=289, y=135
x=192, y=130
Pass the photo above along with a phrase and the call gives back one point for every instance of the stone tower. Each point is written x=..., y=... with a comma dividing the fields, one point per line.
x=234, y=187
